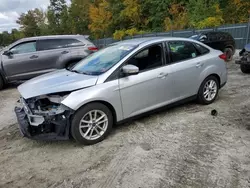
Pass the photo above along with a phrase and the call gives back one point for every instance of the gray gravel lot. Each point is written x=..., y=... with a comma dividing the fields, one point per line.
x=180, y=147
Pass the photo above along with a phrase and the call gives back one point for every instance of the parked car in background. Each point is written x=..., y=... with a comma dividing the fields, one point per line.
x=218, y=40
x=121, y=81
x=30, y=57
x=244, y=59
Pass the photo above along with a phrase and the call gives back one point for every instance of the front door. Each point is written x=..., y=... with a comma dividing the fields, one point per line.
x=22, y=62
x=149, y=89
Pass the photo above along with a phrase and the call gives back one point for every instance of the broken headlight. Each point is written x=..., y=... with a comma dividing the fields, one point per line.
x=47, y=105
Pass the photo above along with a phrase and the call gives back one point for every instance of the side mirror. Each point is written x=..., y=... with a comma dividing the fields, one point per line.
x=202, y=38
x=130, y=70
x=7, y=53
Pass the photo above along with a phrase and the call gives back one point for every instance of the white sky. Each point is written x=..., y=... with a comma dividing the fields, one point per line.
x=11, y=9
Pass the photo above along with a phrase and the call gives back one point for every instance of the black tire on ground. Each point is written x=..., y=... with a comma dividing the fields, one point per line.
x=201, y=98
x=229, y=54
x=75, y=123
x=1, y=83
x=245, y=68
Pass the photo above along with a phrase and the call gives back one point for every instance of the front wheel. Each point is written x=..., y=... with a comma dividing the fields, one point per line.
x=208, y=90
x=245, y=68
x=1, y=83
x=92, y=123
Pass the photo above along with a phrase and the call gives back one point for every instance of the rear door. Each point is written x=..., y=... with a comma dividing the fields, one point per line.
x=23, y=62
x=54, y=52
x=186, y=68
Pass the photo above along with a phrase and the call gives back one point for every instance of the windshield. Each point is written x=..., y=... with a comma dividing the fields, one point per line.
x=101, y=61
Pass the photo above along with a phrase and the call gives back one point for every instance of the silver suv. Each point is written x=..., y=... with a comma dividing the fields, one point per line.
x=30, y=57
x=121, y=81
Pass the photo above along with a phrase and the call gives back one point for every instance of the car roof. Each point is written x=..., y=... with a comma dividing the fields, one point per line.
x=54, y=37
x=139, y=41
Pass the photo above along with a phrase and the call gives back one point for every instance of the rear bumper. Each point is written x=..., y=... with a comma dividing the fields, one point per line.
x=58, y=130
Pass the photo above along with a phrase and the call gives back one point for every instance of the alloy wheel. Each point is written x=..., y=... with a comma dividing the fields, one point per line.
x=93, y=124
x=210, y=90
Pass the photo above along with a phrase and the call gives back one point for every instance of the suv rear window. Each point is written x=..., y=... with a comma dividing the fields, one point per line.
x=49, y=44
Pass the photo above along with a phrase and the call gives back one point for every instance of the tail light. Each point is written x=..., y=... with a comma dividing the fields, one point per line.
x=223, y=56
x=93, y=48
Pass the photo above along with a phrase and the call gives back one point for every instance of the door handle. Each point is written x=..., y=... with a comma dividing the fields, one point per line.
x=33, y=57
x=162, y=75
x=199, y=65
x=64, y=52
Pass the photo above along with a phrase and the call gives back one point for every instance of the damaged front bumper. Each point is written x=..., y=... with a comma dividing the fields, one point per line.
x=244, y=59
x=43, y=127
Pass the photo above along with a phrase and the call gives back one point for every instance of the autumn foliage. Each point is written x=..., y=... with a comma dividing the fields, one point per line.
x=121, y=18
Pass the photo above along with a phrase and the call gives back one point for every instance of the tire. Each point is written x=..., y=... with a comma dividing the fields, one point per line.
x=245, y=68
x=204, y=98
x=82, y=118
x=1, y=83
x=229, y=54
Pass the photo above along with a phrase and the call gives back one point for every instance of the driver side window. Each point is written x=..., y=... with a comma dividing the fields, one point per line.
x=148, y=58
x=24, y=48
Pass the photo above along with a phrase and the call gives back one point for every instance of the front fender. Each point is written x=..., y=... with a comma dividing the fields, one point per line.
x=107, y=92
x=2, y=73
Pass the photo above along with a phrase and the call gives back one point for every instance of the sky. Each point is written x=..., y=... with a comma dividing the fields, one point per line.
x=11, y=9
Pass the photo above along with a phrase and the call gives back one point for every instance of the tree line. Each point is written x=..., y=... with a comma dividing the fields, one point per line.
x=120, y=18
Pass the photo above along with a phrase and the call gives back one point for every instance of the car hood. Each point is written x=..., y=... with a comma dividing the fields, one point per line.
x=54, y=82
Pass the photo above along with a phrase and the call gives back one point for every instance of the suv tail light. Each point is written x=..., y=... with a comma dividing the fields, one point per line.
x=223, y=56
x=93, y=48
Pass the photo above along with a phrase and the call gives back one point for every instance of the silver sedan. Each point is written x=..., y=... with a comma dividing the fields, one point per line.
x=121, y=81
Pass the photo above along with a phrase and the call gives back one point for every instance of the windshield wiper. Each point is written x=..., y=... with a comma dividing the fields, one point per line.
x=75, y=71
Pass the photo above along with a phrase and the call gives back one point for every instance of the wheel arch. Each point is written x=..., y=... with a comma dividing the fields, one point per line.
x=230, y=46
x=205, y=77
x=216, y=76
x=107, y=104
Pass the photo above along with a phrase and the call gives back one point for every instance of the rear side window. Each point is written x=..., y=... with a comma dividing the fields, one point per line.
x=182, y=50
x=202, y=50
x=50, y=44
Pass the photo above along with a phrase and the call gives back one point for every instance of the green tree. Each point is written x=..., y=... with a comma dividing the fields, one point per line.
x=133, y=13
x=79, y=16
x=100, y=18
x=5, y=38
x=16, y=35
x=58, y=17
x=32, y=22
x=155, y=11
x=236, y=11
x=178, y=18
x=200, y=10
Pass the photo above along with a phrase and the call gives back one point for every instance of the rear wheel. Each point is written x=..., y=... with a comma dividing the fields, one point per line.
x=229, y=54
x=208, y=90
x=92, y=123
x=245, y=68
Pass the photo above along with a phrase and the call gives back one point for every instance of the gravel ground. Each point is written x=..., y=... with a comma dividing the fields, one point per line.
x=180, y=147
